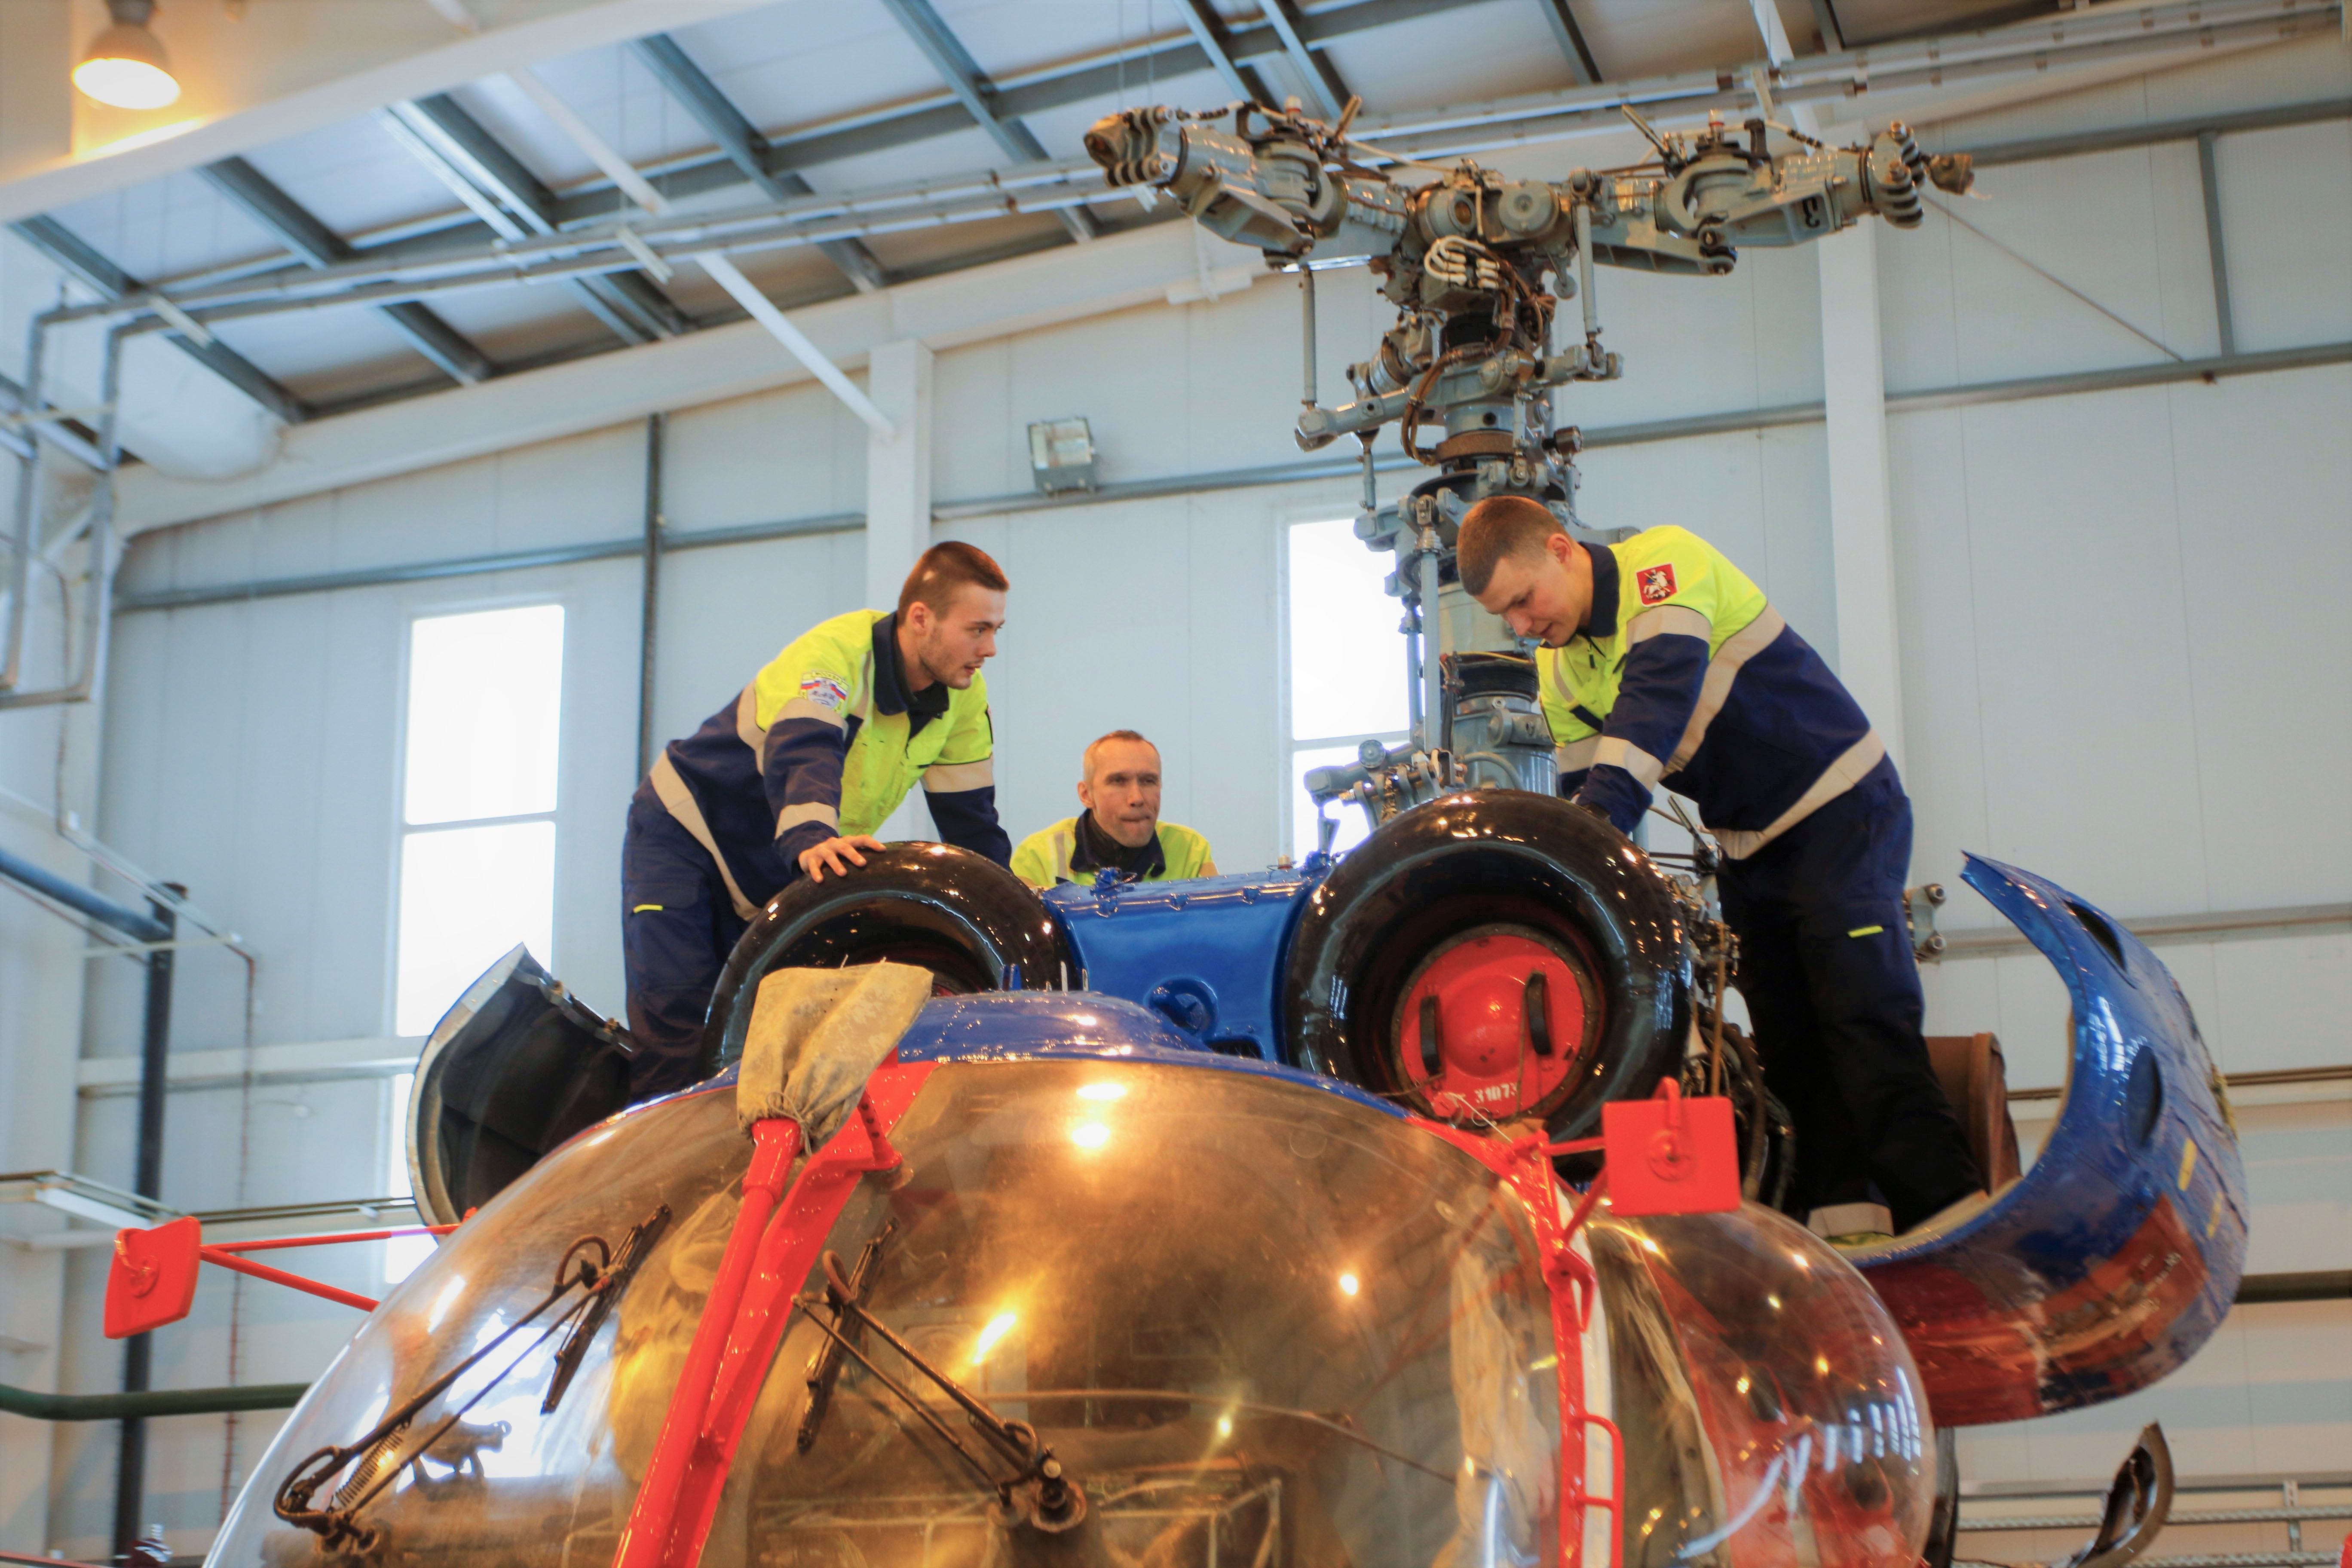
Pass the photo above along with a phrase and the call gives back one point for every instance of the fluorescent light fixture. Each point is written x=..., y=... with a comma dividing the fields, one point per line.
x=1062, y=456
x=126, y=65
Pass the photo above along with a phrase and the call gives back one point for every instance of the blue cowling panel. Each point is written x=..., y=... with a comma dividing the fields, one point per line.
x=1033, y=1025
x=2118, y=1254
x=1207, y=954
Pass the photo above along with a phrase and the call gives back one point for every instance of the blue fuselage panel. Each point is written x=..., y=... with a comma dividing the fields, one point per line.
x=2118, y=1254
x=1207, y=954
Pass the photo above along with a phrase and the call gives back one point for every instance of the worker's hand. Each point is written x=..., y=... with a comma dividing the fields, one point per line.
x=837, y=855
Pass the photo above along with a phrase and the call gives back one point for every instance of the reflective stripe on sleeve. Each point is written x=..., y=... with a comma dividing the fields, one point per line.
x=1678, y=619
x=802, y=708
x=792, y=816
x=1721, y=671
x=1622, y=753
x=747, y=718
x=1577, y=755
x=1839, y=776
x=952, y=778
x=670, y=789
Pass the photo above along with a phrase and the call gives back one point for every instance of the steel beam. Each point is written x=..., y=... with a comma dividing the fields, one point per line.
x=976, y=93
x=319, y=246
x=1571, y=37
x=631, y=303
x=1032, y=92
x=244, y=110
x=52, y=425
x=2210, y=176
x=71, y=251
x=2075, y=143
x=1322, y=77
x=649, y=593
x=402, y=273
x=744, y=146
x=1825, y=20
x=154, y=1072
x=1216, y=41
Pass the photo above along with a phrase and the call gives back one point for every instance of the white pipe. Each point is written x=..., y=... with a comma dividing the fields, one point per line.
x=618, y=169
x=723, y=272
x=720, y=268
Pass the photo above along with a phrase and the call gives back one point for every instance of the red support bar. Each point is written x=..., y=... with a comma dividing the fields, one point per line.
x=279, y=1241
x=1615, y=1502
x=1585, y=1205
x=645, y=1541
x=279, y=1277
x=777, y=1236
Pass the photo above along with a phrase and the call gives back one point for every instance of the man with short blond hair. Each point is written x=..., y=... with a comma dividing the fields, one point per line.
x=1120, y=830
x=792, y=777
x=1661, y=662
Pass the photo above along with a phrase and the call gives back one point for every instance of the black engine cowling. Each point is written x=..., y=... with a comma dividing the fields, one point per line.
x=960, y=915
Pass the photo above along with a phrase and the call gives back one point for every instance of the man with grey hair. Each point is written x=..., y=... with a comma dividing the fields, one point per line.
x=1120, y=830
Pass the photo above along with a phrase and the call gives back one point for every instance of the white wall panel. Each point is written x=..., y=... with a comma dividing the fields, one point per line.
x=2264, y=482
x=1759, y=496
x=789, y=454
x=727, y=612
x=1961, y=308
x=2287, y=203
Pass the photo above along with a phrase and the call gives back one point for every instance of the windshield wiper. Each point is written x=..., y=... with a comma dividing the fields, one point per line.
x=385, y=1450
x=826, y=1368
x=1039, y=1491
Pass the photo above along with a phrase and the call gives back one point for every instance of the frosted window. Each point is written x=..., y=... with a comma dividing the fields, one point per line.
x=484, y=691
x=466, y=895
x=1347, y=657
x=1348, y=667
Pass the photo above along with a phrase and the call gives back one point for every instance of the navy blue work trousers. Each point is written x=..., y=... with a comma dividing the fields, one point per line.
x=677, y=926
x=1826, y=969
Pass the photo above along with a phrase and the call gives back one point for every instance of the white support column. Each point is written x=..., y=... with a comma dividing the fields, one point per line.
x=1862, y=530
x=898, y=498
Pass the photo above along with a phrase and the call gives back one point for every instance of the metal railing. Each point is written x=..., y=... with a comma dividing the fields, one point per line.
x=2295, y=1510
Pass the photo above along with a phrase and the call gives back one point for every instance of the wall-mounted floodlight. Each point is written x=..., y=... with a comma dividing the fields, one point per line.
x=125, y=64
x=1062, y=456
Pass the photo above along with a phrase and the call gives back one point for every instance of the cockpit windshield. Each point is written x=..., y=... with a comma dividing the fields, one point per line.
x=1253, y=1323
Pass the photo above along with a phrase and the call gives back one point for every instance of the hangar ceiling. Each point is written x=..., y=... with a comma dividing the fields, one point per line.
x=776, y=103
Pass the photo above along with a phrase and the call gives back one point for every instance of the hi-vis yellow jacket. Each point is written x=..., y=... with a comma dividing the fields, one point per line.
x=1683, y=673
x=828, y=740
x=1043, y=858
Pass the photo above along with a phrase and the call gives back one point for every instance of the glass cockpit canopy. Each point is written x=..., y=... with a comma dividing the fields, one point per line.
x=1259, y=1323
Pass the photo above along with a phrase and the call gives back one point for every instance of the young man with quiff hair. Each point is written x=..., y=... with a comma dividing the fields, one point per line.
x=792, y=777
x=1120, y=830
x=1661, y=662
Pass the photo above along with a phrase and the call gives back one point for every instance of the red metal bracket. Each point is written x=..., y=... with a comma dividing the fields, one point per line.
x=1670, y=1154
x=152, y=1280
